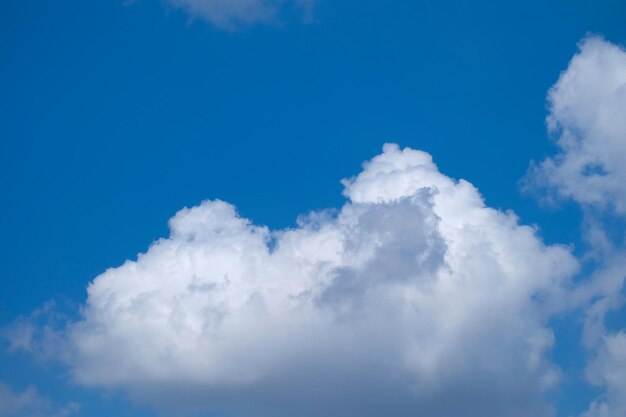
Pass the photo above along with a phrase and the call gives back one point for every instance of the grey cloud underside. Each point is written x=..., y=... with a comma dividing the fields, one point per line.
x=413, y=298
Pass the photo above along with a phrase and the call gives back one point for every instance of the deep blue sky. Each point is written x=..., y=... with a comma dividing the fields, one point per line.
x=114, y=116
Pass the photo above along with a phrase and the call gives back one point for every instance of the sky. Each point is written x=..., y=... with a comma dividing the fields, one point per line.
x=250, y=208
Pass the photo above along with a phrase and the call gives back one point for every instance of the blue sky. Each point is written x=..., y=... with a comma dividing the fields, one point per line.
x=116, y=115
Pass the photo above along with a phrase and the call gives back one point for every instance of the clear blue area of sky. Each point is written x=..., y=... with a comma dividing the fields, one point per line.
x=113, y=116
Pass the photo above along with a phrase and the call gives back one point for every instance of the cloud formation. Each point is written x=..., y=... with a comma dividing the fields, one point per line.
x=413, y=298
x=230, y=14
x=608, y=369
x=588, y=118
x=29, y=403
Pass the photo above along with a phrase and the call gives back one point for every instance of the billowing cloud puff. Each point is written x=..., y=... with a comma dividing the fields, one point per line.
x=230, y=14
x=588, y=117
x=412, y=299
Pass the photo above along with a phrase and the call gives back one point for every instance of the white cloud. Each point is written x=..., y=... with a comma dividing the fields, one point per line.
x=588, y=117
x=608, y=369
x=230, y=14
x=40, y=333
x=414, y=298
x=29, y=403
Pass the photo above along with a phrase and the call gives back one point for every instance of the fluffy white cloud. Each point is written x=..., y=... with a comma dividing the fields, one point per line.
x=413, y=299
x=29, y=403
x=230, y=14
x=588, y=117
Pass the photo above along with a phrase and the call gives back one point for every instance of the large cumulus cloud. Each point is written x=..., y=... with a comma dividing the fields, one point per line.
x=414, y=298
